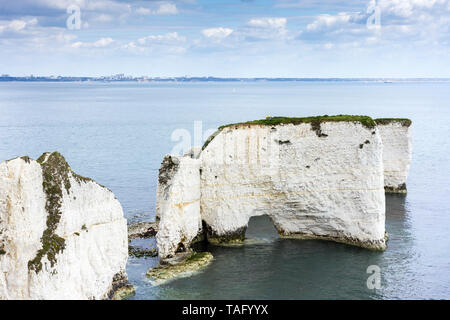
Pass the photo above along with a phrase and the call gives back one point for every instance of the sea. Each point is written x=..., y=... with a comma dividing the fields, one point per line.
x=118, y=132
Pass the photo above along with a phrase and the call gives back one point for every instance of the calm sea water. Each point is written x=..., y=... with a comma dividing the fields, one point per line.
x=117, y=133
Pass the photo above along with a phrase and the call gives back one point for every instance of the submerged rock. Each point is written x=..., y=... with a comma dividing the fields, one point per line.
x=142, y=230
x=63, y=236
x=139, y=252
x=185, y=265
x=397, y=152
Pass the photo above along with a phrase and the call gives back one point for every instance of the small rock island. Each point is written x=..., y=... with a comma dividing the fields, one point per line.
x=319, y=177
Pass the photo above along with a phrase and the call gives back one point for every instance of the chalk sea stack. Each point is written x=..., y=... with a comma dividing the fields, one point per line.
x=62, y=236
x=316, y=178
x=397, y=152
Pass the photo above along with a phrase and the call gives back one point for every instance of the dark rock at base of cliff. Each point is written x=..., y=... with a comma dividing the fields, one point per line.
x=399, y=189
x=237, y=236
x=121, y=288
x=142, y=230
x=139, y=252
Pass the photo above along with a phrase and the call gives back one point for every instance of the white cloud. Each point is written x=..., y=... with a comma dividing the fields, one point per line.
x=171, y=43
x=409, y=8
x=273, y=23
x=266, y=28
x=217, y=33
x=326, y=21
x=17, y=25
x=404, y=23
x=65, y=38
x=163, y=8
x=103, y=18
x=101, y=43
x=168, y=38
x=167, y=8
x=143, y=11
x=100, y=6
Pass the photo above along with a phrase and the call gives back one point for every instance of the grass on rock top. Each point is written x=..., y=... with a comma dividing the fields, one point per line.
x=273, y=121
x=403, y=121
x=315, y=122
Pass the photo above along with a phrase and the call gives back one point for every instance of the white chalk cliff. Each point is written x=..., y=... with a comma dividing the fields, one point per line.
x=178, y=204
x=397, y=152
x=62, y=236
x=316, y=178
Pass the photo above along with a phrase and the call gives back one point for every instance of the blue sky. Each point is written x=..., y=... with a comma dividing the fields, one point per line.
x=234, y=38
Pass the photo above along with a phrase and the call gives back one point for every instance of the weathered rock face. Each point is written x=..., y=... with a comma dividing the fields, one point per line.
x=62, y=236
x=314, y=178
x=397, y=152
x=178, y=204
x=326, y=184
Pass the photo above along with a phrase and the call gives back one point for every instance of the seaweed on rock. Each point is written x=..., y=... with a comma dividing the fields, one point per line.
x=403, y=121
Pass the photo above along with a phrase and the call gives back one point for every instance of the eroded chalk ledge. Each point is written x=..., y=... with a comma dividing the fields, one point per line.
x=375, y=245
x=237, y=238
x=181, y=266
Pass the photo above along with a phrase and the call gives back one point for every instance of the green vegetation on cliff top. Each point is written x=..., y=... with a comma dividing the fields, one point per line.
x=404, y=122
x=273, y=121
x=315, y=122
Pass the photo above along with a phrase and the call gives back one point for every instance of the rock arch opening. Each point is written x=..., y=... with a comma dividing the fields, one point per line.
x=261, y=227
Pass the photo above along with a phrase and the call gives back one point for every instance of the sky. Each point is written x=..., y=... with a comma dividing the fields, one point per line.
x=226, y=38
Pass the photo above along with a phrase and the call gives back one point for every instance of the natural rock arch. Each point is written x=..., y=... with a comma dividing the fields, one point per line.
x=312, y=185
x=261, y=227
x=317, y=178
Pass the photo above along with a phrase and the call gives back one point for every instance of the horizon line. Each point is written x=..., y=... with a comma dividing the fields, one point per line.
x=123, y=77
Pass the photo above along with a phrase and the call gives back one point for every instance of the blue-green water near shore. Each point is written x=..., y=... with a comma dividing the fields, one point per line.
x=117, y=133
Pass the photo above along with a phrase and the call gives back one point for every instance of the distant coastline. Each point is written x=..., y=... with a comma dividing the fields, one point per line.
x=124, y=78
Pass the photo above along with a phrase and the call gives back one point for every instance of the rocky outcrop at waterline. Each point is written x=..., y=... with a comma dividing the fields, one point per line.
x=142, y=230
x=62, y=236
x=140, y=252
x=186, y=265
x=316, y=178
